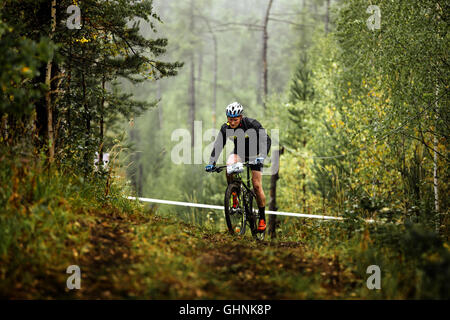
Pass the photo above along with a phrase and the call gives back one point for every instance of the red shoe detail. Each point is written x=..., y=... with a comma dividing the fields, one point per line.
x=262, y=225
x=235, y=200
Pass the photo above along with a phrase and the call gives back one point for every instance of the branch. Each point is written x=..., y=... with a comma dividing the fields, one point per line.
x=425, y=144
x=297, y=13
x=250, y=25
x=293, y=23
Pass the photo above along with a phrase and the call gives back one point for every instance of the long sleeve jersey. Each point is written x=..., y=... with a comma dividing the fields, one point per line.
x=250, y=140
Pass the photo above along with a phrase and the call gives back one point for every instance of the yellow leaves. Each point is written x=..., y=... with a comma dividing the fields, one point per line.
x=337, y=124
x=82, y=40
x=434, y=257
x=25, y=70
x=447, y=246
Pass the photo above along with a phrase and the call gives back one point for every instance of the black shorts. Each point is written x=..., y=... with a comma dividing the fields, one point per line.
x=255, y=167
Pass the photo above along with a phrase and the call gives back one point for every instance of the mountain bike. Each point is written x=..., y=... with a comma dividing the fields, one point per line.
x=240, y=201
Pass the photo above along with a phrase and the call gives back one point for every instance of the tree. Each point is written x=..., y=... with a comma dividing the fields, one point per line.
x=265, y=38
x=107, y=47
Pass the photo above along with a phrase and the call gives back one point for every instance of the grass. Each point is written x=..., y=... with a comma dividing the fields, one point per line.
x=49, y=221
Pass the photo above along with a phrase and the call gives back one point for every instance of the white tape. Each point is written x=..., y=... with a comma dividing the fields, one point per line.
x=208, y=206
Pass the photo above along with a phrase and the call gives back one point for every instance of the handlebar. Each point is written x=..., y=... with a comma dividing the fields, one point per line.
x=219, y=169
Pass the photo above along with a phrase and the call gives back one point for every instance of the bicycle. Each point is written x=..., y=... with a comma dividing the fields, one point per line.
x=239, y=202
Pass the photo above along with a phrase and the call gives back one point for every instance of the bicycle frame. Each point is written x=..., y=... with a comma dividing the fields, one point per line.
x=237, y=177
x=248, y=181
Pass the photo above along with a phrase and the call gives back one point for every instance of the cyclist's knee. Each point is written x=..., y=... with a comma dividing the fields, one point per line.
x=256, y=178
x=257, y=187
x=233, y=158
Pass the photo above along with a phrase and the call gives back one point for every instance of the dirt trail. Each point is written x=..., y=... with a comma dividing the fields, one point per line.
x=195, y=264
x=106, y=267
x=262, y=270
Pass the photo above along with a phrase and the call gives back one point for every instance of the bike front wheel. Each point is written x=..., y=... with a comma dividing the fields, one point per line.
x=234, y=209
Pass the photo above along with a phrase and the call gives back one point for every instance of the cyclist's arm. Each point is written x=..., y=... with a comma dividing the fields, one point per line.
x=218, y=146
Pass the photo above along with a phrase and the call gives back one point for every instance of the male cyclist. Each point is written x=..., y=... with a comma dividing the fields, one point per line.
x=250, y=142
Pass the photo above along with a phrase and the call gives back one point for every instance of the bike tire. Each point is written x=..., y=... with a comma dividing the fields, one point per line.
x=235, y=217
x=253, y=219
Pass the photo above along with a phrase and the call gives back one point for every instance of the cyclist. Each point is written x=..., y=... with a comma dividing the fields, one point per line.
x=257, y=145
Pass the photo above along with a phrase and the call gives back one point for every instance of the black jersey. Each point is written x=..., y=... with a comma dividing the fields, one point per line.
x=250, y=140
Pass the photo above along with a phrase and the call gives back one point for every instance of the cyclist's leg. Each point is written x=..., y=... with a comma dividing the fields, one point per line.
x=257, y=187
x=232, y=158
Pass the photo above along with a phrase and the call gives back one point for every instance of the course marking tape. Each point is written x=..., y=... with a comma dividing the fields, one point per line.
x=208, y=206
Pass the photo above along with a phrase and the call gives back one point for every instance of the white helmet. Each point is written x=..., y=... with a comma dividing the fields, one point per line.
x=234, y=109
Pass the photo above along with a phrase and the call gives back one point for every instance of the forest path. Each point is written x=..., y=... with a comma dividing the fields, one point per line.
x=160, y=258
x=107, y=268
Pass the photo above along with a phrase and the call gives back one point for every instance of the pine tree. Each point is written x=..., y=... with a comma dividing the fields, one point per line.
x=84, y=63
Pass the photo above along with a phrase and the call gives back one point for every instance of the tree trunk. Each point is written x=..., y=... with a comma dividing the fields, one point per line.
x=215, y=66
x=214, y=104
x=435, y=160
x=304, y=179
x=264, y=54
x=259, y=85
x=88, y=122
x=48, y=99
x=327, y=17
x=199, y=75
x=136, y=168
x=41, y=121
x=69, y=78
x=140, y=176
x=192, y=81
x=273, y=192
x=160, y=110
x=102, y=111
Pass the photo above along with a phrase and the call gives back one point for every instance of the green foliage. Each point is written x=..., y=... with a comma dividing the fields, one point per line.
x=20, y=61
x=46, y=220
x=85, y=99
x=363, y=116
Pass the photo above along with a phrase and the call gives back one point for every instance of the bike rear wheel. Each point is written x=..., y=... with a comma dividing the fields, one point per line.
x=234, y=209
x=254, y=219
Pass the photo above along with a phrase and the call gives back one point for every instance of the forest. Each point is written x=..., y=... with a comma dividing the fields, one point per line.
x=102, y=100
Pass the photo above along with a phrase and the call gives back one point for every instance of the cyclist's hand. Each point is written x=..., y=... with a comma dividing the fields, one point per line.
x=209, y=168
x=259, y=160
